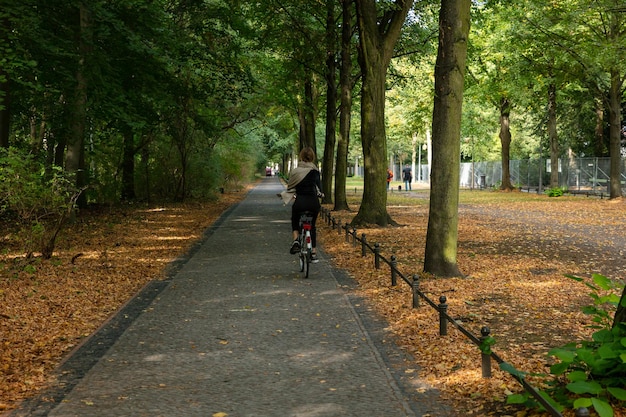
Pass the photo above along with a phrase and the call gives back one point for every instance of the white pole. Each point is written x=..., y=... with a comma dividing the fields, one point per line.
x=419, y=164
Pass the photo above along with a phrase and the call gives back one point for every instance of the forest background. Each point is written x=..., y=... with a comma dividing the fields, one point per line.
x=103, y=103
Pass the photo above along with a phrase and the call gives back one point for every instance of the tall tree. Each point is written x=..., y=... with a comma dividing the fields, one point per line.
x=604, y=25
x=442, y=234
x=345, y=108
x=380, y=26
x=294, y=35
x=5, y=93
x=505, y=142
x=331, y=100
x=492, y=77
x=553, y=136
x=579, y=30
x=75, y=156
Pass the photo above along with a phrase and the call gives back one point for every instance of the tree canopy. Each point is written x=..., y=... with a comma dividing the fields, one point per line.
x=175, y=99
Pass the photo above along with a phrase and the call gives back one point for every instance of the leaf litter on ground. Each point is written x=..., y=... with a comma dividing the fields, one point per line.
x=514, y=252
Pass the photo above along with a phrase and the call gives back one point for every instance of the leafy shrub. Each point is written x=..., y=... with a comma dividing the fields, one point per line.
x=40, y=199
x=555, y=192
x=591, y=373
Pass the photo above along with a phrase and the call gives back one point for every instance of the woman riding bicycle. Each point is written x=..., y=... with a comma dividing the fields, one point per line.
x=304, y=180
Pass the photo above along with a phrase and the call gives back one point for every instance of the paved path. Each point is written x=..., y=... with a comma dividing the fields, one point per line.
x=238, y=330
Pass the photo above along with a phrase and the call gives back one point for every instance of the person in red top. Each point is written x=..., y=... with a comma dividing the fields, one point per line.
x=389, y=177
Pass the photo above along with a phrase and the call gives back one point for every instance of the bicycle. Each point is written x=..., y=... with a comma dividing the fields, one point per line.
x=306, y=245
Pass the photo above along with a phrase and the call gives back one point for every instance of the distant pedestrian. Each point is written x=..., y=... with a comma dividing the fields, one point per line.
x=407, y=177
x=389, y=177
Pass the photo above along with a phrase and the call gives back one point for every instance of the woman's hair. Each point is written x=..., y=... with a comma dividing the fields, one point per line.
x=307, y=154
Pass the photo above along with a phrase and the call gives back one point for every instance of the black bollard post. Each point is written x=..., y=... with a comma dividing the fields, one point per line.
x=354, y=236
x=415, y=286
x=582, y=412
x=486, y=358
x=443, y=321
x=363, y=245
x=377, y=255
x=394, y=264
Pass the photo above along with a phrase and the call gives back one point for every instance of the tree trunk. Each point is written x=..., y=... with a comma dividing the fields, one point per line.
x=5, y=109
x=145, y=159
x=5, y=94
x=620, y=313
x=615, y=134
x=505, y=141
x=442, y=234
x=128, y=166
x=376, y=43
x=183, y=145
x=552, y=134
x=37, y=131
x=75, y=156
x=309, y=113
x=599, y=129
x=341, y=168
x=373, y=208
x=331, y=101
x=303, y=142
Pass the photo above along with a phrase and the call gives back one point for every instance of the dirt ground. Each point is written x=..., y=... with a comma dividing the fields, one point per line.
x=514, y=251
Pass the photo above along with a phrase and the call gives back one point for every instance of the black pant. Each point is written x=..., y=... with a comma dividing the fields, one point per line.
x=305, y=203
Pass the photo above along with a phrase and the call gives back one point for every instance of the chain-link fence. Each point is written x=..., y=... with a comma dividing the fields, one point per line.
x=575, y=174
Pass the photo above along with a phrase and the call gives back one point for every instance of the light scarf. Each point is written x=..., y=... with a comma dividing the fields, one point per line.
x=296, y=176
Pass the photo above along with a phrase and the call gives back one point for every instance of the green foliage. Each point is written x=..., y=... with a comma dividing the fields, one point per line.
x=40, y=199
x=591, y=373
x=485, y=345
x=555, y=192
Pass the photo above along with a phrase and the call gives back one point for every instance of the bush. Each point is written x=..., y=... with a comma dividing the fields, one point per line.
x=40, y=199
x=555, y=192
x=591, y=373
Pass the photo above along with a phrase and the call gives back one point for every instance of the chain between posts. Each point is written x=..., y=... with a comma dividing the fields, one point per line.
x=442, y=308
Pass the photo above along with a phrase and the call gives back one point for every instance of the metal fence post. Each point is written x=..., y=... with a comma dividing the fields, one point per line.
x=415, y=285
x=334, y=223
x=394, y=264
x=347, y=233
x=486, y=358
x=363, y=245
x=443, y=322
x=582, y=412
x=377, y=255
x=354, y=236
x=339, y=227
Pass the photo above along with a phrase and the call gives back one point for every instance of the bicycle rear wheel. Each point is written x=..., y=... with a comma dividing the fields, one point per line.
x=302, y=253
x=306, y=250
x=307, y=262
x=302, y=260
